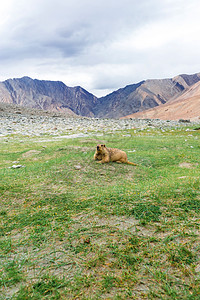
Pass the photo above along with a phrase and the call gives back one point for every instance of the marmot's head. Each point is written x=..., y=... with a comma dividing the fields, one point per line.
x=100, y=148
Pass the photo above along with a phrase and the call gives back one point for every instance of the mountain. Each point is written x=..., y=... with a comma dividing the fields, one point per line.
x=47, y=95
x=134, y=98
x=144, y=95
x=185, y=106
x=9, y=109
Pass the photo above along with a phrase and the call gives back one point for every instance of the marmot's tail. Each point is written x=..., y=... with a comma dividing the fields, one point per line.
x=130, y=163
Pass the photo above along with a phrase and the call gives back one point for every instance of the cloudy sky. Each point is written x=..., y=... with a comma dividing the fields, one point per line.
x=100, y=45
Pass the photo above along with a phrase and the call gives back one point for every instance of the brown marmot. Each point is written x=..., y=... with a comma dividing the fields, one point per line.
x=105, y=155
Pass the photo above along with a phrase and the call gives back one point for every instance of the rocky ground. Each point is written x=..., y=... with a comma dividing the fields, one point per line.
x=27, y=123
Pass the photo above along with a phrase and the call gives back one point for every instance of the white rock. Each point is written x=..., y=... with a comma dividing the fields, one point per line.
x=77, y=167
x=17, y=166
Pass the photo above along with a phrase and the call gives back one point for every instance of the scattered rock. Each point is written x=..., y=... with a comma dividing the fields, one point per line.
x=184, y=121
x=17, y=166
x=77, y=167
x=60, y=127
x=102, y=173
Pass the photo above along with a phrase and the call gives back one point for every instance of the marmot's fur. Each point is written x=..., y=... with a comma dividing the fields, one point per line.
x=105, y=155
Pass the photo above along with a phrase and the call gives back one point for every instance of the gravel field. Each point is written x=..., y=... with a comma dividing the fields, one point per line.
x=29, y=125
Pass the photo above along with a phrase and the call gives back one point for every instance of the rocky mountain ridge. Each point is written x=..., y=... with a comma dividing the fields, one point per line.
x=186, y=106
x=47, y=95
x=55, y=96
x=145, y=95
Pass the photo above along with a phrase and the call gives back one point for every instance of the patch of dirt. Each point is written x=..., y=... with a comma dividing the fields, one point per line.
x=120, y=223
x=30, y=153
x=186, y=165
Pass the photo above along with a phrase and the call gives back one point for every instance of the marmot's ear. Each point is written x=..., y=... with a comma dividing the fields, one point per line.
x=104, y=145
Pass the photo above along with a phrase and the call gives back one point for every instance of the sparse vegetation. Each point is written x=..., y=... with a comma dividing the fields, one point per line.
x=110, y=231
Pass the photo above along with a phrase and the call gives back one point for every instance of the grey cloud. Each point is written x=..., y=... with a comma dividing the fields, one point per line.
x=95, y=39
x=72, y=26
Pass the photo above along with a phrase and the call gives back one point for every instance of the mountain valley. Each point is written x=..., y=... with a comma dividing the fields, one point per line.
x=172, y=98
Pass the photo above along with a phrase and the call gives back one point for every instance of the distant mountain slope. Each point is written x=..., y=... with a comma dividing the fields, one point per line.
x=186, y=106
x=47, y=95
x=144, y=95
x=7, y=109
x=56, y=96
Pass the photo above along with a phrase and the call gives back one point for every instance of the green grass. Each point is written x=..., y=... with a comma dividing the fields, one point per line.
x=110, y=231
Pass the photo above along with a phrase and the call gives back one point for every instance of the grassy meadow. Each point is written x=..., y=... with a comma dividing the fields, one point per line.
x=71, y=228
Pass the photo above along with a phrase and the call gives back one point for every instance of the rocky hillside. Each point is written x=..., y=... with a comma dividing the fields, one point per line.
x=144, y=95
x=47, y=95
x=13, y=109
x=186, y=106
x=56, y=96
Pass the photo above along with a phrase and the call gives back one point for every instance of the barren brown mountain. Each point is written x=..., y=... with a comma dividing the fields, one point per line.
x=144, y=95
x=186, y=106
x=170, y=98
x=47, y=95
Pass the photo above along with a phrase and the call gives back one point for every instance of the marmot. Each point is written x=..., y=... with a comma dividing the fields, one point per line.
x=105, y=155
